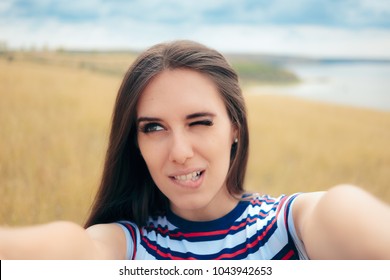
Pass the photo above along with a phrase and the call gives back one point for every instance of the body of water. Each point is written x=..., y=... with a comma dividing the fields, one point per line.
x=356, y=84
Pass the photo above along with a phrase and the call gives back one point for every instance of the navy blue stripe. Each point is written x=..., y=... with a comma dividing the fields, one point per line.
x=191, y=226
x=239, y=247
x=285, y=250
x=291, y=242
x=175, y=234
x=130, y=228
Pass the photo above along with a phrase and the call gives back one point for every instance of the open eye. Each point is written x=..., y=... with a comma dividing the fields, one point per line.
x=151, y=127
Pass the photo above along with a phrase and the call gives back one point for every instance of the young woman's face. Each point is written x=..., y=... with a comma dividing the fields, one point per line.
x=185, y=137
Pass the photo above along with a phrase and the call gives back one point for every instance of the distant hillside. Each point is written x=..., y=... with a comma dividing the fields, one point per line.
x=263, y=68
x=261, y=72
x=251, y=69
x=109, y=63
x=281, y=60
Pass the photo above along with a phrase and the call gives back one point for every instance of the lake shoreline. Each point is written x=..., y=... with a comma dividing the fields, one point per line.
x=358, y=84
x=283, y=91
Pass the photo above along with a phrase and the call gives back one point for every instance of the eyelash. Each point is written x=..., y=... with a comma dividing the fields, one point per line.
x=151, y=127
x=202, y=122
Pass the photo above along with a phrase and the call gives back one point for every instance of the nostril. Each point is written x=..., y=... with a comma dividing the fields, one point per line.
x=181, y=150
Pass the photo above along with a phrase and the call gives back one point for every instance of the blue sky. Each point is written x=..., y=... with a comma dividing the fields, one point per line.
x=316, y=28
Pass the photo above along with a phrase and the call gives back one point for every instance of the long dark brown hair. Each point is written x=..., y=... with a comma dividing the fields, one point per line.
x=127, y=191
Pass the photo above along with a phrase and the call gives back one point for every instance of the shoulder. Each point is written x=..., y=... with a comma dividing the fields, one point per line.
x=303, y=205
x=109, y=239
x=338, y=201
x=326, y=222
x=337, y=204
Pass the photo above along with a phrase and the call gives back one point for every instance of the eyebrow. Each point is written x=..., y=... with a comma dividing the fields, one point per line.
x=200, y=115
x=147, y=119
x=188, y=117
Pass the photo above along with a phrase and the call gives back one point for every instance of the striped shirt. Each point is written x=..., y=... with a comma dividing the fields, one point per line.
x=261, y=227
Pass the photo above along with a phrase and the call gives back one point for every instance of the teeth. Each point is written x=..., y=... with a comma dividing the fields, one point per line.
x=191, y=176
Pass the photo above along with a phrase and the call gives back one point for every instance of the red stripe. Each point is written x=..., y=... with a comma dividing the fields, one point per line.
x=165, y=255
x=227, y=255
x=288, y=255
x=285, y=211
x=291, y=252
x=230, y=255
x=133, y=236
x=207, y=233
x=280, y=206
x=263, y=199
x=250, y=245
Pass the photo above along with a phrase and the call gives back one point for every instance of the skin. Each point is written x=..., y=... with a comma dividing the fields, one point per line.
x=180, y=134
x=343, y=223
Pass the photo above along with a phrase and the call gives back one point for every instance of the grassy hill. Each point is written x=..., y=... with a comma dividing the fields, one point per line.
x=55, y=111
x=116, y=63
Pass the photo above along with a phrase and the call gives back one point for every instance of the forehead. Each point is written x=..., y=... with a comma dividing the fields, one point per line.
x=180, y=91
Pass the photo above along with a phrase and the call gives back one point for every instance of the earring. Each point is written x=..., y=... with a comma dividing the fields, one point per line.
x=236, y=140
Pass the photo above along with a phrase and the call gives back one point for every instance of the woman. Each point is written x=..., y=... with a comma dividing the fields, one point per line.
x=172, y=185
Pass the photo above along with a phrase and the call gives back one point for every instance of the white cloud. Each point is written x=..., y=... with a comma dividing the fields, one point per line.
x=299, y=40
x=376, y=6
x=122, y=25
x=293, y=40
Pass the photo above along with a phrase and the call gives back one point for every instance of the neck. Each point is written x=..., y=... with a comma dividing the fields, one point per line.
x=216, y=209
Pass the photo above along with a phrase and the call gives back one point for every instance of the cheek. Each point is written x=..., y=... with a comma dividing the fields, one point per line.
x=218, y=152
x=152, y=156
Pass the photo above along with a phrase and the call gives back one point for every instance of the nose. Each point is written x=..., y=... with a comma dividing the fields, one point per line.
x=181, y=148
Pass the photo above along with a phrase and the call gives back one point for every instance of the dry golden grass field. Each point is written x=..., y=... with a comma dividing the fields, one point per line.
x=55, y=112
